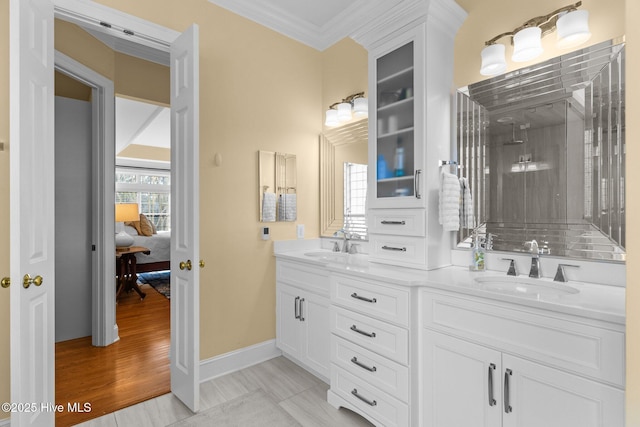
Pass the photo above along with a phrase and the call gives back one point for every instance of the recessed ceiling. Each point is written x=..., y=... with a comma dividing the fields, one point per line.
x=141, y=123
x=316, y=23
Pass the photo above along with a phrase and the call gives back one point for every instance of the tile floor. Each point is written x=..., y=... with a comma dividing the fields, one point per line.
x=273, y=393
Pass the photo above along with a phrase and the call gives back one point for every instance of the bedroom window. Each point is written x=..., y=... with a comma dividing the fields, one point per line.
x=151, y=190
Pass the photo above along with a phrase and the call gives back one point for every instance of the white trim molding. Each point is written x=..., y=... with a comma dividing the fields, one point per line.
x=238, y=359
x=5, y=423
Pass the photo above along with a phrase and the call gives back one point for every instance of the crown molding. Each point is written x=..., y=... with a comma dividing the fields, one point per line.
x=315, y=36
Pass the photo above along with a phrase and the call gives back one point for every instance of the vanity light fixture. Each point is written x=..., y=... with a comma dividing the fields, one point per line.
x=572, y=27
x=340, y=112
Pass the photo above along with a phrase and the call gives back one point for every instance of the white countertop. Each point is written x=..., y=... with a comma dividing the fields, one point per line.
x=593, y=301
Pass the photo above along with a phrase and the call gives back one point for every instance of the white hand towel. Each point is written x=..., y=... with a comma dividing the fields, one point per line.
x=268, y=207
x=467, y=219
x=449, y=201
x=287, y=209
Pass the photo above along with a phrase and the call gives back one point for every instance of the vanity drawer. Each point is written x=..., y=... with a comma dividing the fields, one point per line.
x=382, y=302
x=399, y=222
x=388, y=376
x=307, y=277
x=398, y=250
x=597, y=352
x=381, y=337
x=387, y=410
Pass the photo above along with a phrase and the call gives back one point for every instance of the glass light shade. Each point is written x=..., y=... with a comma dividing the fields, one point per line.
x=361, y=107
x=331, y=118
x=573, y=29
x=493, y=60
x=527, y=44
x=344, y=111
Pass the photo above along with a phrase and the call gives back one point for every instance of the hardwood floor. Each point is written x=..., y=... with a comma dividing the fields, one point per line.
x=130, y=371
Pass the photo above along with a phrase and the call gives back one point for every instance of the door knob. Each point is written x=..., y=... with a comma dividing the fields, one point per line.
x=186, y=265
x=27, y=281
x=201, y=263
x=6, y=282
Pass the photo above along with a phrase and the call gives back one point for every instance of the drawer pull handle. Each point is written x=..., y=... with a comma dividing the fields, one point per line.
x=393, y=248
x=364, y=399
x=354, y=328
x=385, y=222
x=354, y=360
x=296, y=308
x=301, y=316
x=371, y=300
x=492, y=368
x=507, y=404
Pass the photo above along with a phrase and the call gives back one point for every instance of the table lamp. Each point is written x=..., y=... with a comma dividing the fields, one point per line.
x=125, y=212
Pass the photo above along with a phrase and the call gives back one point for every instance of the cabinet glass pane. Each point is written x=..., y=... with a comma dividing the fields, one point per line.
x=394, y=137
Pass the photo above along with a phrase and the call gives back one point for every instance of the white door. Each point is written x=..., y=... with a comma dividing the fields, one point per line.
x=32, y=211
x=461, y=383
x=543, y=396
x=185, y=206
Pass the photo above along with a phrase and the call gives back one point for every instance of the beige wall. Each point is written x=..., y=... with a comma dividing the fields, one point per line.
x=633, y=212
x=137, y=151
x=488, y=18
x=71, y=88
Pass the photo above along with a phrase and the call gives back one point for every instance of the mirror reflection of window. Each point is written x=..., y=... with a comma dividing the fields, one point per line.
x=355, y=199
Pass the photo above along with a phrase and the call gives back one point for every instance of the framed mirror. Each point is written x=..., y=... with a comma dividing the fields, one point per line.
x=343, y=179
x=277, y=187
x=543, y=149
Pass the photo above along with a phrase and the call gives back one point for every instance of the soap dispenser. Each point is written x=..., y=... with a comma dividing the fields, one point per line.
x=477, y=254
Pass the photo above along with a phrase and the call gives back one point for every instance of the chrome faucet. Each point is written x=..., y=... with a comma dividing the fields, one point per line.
x=345, y=240
x=560, y=274
x=512, y=267
x=535, y=259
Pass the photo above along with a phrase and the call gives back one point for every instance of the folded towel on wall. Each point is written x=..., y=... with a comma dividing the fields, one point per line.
x=467, y=219
x=449, y=201
x=287, y=207
x=269, y=207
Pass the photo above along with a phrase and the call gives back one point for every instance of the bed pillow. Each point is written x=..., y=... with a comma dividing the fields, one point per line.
x=143, y=227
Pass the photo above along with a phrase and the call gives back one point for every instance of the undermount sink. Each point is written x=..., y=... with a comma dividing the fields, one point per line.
x=336, y=257
x=524, y=286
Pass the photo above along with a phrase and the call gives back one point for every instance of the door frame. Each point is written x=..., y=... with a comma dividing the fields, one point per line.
x=104, y=329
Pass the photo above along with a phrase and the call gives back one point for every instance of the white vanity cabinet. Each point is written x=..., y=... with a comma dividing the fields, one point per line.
x=302, y=315
x=493, y=364
x=370, y=349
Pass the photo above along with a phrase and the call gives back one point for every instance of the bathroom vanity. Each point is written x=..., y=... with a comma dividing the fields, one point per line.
x=450, y=347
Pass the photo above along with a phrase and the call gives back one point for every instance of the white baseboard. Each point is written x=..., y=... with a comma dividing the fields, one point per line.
x=237, y=359
x=5, y=423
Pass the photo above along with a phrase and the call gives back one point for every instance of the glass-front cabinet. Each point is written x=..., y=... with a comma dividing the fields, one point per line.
x=395, y=128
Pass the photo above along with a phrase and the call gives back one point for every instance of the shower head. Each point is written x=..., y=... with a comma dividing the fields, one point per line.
x=515, y=141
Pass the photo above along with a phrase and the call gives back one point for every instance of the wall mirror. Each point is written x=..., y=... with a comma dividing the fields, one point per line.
x=343, y=179
x=543, y=149
x=277, y=186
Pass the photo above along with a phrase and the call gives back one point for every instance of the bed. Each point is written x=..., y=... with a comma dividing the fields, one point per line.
x=160, y=246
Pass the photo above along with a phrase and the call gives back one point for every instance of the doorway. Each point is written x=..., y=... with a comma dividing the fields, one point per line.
x=32, y=335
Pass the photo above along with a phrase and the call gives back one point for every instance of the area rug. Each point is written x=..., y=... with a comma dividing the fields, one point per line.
x=254, y=408
x=158, y=280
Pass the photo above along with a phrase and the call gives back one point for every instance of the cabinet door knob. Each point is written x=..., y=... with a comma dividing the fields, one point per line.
x=186, y=265
x=201, y=263
x=6, y=282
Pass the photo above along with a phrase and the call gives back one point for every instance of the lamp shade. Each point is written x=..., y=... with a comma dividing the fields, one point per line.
x=360, y=107
x=573, y=29
x=493, y=60
x=344, y=112
x=527, y=44
x=127, y=212
x=331, y=118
